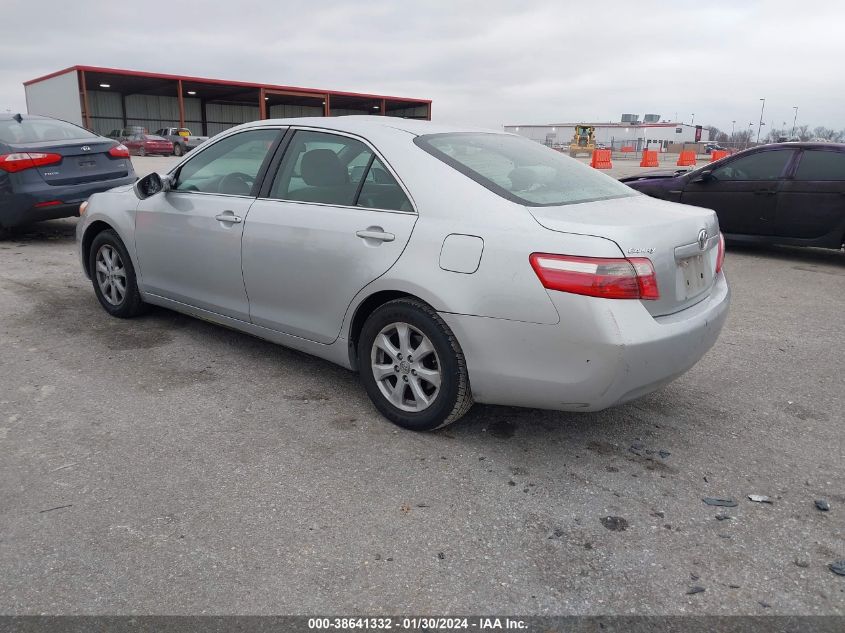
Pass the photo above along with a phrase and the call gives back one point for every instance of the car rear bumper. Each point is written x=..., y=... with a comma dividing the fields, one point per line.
x=602, y=352
x=21, y=208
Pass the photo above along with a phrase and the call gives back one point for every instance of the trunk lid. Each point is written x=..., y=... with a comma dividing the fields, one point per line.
x=83, y=160
x=664, y=232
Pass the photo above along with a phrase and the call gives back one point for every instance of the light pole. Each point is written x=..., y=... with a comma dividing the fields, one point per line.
x=760, y=127
x=794, y=119
x=692, y=122
x=733, y=127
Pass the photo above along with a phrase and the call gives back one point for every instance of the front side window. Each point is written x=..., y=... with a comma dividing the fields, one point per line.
x=821, y=165
x=40, y=130
x=521, y=170
x=766, y=165
x=338, y=170
x=229, y=166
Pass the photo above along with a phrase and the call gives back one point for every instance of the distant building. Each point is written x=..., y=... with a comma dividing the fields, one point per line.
x=104, y=99
x=639, y=135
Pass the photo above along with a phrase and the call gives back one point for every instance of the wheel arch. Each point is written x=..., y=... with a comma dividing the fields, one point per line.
x=92, y=231
x=364, y=309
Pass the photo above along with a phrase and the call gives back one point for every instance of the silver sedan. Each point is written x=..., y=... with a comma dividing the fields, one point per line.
x=445, y=265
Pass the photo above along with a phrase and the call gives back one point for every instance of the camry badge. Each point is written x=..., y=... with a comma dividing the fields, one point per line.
x=702, y=238
x=640, y=251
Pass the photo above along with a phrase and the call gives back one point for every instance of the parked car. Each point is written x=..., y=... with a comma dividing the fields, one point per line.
x=446, y=265
x=144, y=144
x=784, y=193
x=712, y=147
x=126, y=132
x=47, y=167
x=183, y=140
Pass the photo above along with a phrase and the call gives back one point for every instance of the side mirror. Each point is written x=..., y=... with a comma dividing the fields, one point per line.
x=151, y=184
x=705, y=176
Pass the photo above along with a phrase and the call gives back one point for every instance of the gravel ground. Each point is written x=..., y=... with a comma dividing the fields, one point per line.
x=166, y=465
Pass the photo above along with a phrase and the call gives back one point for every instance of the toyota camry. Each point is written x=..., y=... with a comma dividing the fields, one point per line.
x=446, y=265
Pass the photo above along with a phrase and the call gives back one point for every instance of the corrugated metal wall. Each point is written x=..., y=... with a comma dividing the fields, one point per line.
x=222, y=116
x=106, y=111
x=150, y=111
x=288, y=111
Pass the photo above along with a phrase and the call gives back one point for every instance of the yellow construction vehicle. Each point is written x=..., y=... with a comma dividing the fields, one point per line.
x=583, y=141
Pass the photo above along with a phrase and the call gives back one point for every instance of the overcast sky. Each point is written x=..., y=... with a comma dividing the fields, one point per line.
x=487, y=63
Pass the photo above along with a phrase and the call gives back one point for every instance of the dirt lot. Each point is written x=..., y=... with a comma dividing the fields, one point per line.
x=165, y=465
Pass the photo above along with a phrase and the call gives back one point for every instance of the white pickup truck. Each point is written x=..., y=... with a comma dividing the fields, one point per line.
x=183, y=140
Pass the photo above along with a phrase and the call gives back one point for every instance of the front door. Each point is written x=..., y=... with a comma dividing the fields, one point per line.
x=333, y=220
x=812, y=202
x=188, y=239
x=743, y=192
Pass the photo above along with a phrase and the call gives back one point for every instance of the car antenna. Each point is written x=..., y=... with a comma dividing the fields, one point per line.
x=18, y=118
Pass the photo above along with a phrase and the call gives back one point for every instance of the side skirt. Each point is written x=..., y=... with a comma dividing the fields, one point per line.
x=335, y=352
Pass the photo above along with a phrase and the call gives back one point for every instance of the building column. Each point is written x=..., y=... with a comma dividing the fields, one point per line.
x=181, y=98
x=383, y=107
x=262, y=104
x=86, y=112
x=327, y=106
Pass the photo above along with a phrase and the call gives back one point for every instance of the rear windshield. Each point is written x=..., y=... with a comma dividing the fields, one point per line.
x=38, y=130
x=521, y=170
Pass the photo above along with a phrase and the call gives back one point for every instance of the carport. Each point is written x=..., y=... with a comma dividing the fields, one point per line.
x=105, y=99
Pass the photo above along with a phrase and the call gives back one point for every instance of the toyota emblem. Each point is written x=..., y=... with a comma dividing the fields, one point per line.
x=85, y=148
x=702, y=238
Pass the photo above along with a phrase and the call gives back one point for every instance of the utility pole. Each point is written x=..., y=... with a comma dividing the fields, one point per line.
x=794, y=119
x=760, y=126
x=692, y=122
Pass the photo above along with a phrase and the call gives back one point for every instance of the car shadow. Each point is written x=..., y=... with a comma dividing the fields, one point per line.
x=50, y=230
x=791, y=253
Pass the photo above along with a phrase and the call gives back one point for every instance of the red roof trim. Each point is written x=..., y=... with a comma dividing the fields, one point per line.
x=223, y=82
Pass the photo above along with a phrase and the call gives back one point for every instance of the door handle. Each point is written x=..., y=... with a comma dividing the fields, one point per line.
x=376, y=233
x=228, y=216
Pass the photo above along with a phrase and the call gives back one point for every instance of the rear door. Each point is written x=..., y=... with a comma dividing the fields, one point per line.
x=743, y=191
x=333, y=219
x=811, y=204
x=188, y=239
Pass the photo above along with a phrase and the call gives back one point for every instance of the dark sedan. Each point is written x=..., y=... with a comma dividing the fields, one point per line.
x=786, y=193
x=49, y=167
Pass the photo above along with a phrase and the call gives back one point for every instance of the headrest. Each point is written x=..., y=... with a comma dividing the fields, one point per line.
x=322, y=168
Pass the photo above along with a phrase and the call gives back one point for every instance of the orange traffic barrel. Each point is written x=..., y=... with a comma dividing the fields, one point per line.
x=601, y=159
x=649, y=159
x=718, y=154
x=686, y=158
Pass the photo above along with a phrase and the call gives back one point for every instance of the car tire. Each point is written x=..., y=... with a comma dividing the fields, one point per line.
x=177, y=149
x=109, y=263
x=408, y=395
x=142, y=151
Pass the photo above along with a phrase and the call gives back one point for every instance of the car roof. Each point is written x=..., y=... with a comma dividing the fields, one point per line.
x=804, y=145
x=364, y=123
x=5, y=116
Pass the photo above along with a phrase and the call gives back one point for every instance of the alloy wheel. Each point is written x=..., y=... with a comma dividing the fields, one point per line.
x=111, y=274
x=405, y=366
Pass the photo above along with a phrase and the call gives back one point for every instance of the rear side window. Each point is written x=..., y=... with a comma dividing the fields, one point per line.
x=332, y=169
x=40, y=130
x=821, y=165
x=521, y=170
x=760, y=166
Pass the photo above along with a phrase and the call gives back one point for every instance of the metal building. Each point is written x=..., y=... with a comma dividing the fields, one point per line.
x=659, y=136
x=105, y=99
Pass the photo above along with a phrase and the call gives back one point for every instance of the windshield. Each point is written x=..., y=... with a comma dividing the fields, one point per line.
x=521, y=170
x=38, y=130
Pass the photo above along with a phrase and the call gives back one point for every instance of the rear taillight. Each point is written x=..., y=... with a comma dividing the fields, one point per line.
x=119, y=151
x=610, y=278
x=13, y=163
x=720, y=258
